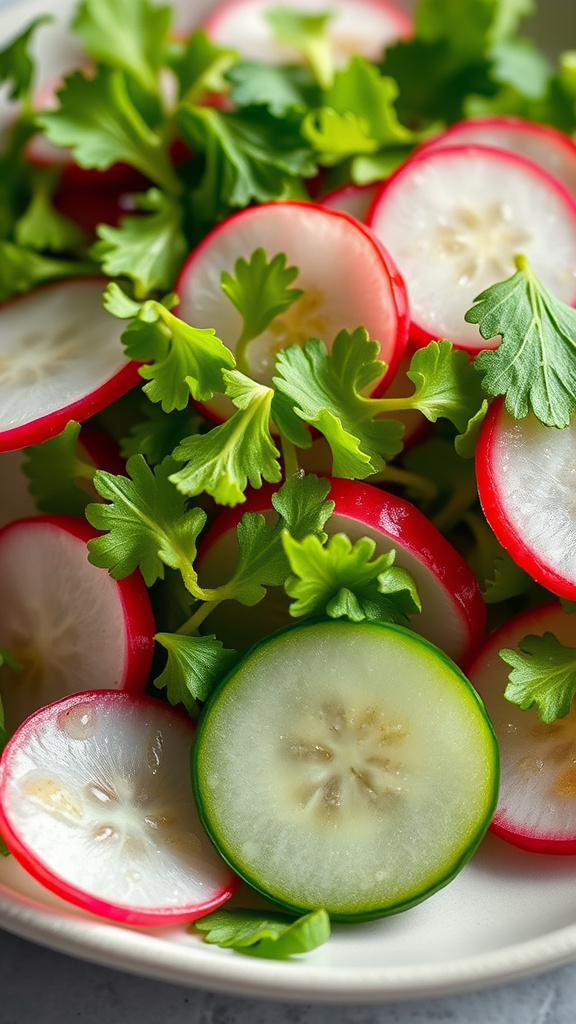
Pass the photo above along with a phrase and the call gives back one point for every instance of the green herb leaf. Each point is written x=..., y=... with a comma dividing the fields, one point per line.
x=147, y=524
x=276, y=87
x=55, y=469
x=236, y=452
x=308, y=34
x=520, y=64
x=535, y=364
x=335, y=137
x=99, y=122
x=200, y=66
x=195, y=665
x=326, y=391
x=446, y=384
x=16, y=64
x=338, y=578
x=543, y=674
x=41, y=226
x=127, y=34
x=272, y=935
x=157, y=433
x=260, y=291
x=147, y=249
x=22, y=269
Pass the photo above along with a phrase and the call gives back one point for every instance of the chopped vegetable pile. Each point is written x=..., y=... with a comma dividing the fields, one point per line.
x=288, y=365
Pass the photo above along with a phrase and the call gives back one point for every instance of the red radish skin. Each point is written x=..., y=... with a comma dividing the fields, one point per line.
x=454, y=616
x=536, y=809
x=353, y=199
x=37, y=556
x=542, y=539
x=453, y=220
x=242, y=25
x=544, y=145
x=129, y=758
x=328, y=246
x=79, y=300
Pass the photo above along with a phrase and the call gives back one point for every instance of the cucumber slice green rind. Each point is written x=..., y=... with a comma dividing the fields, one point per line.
x=230, y=761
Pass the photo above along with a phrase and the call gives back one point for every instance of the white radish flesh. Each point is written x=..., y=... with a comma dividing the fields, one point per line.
x=96, y=803
x=454, y=219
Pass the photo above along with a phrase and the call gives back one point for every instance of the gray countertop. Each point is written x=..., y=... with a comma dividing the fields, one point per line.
x=37, y=983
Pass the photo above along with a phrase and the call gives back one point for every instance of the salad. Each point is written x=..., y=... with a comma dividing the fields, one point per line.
x=329, y=545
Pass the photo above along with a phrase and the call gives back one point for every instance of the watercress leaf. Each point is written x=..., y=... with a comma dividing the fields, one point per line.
x=127, y=34
x=338, y=578
x=277, y=87
x=55, y=470
x=251, y=152
x=237, y=452
x=308, y=34
x=543, y=674
x=326, y=391
x=147, y=523
x=16, y=64
x=22, y=269
x=195, y=665
x=100, y=123
x=535, y=364
x=260, y=291
x=42, y=226
x=271, y=935
x=148, y=249
x=446, y=384
x=157, y=433
x=200, y=66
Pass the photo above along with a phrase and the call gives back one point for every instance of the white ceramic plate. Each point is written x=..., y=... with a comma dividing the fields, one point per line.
x=508, y=914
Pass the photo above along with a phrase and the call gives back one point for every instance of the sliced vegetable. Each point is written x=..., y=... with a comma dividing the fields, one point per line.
x=455, y=218
x=346, y=277
x=525, y=475
x=69, y=624
x=95, y=802
x=353, y=199
x=368, y=777
x=537, y=802
x=60, y=359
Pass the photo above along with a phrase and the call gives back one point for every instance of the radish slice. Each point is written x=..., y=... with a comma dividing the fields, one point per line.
x=365, y=780
x=353, y=199
x=453, y=612
x=96, y=804
x=546, y=146
x=60, y=359
x=536, y=806
x=68, y=623
x=455, y=218
x=525, y=474
x=364, y=27
x=347, y=277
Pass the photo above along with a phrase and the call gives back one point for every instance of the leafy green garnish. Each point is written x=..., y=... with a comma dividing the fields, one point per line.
x=157, y=433
x=42, y=226
x=200, y=66
x=194, y=667
x=55, y=470
x=21, y=269
x=276, y=87
x=535, y=364
x=307, y=33
x=260, y=291
x=16, y=64
x=543, y=674
x=338, y=578
x=272, y=935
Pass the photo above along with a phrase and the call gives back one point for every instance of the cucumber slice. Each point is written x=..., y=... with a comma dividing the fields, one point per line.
x=346, y=766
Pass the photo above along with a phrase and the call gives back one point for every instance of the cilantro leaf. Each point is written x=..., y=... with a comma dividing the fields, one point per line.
x=260, y=292
x=157, y=433
x=22, y=269
x=55, y=471
x=250, y=154
x=446, y=384
x=272, y=934
x=326, y=391
x=182, y=360
x=307, y=33
x=236, y=452
x=200, y=66
x=127, y=34
x=16, y=64
x=277, y=87
x=41, y=226
x=338, y=578
x=543, y=674
x=195, y=665
x=100, y=123
x=147, y=524
x=147, y=249
x=535, y=364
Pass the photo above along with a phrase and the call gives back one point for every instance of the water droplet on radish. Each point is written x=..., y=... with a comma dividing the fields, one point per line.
x=79, y=723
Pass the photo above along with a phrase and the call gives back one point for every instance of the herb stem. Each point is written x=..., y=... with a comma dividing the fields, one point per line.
x=192, y=625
